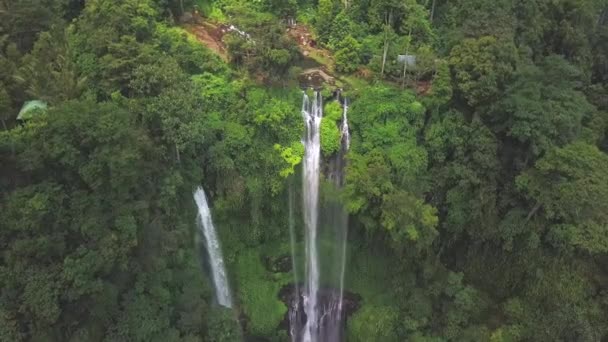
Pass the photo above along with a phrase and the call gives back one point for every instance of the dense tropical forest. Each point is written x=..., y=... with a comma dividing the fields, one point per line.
x=475, y=183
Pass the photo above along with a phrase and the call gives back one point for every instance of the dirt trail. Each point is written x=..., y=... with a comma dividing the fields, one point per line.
x=209, y=35
x=317, y=71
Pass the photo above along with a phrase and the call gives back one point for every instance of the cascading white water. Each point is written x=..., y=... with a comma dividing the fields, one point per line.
x=214, y=250
x=322, y=313
x=312, y=114
x=345, y=135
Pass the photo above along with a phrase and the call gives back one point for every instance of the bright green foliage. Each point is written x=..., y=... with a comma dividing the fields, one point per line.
x=331, y=137
x=333, y=111
x=383, y=164
x=326, y=12
x=373, y=323
x=347, y=55
x=292, y=155
x=258, y=289
x=416, y=23
x=342, y=27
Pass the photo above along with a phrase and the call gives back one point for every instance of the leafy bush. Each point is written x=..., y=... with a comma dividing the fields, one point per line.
x=330, y=133
x=347, y=56
x=374, y=323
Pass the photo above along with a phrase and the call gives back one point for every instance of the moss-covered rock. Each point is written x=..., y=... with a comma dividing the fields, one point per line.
x=258, y=290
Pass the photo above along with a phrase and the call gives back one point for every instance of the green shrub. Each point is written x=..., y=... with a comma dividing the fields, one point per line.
x=347, y=55
x=374, y=323
x=330, y=133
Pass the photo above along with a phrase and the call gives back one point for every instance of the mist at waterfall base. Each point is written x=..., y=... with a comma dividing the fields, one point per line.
x=316, y=312
x=214, y=249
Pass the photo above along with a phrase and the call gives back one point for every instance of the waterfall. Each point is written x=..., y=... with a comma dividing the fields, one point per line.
x=312, y=114
x=216, y=261
x=295, y=302
x=321, y=306
x=345, y=135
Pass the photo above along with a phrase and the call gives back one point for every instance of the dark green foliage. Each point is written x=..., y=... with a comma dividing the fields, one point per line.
x=222, y=327
x=482, y=67
x=85, y=213
x=542, y=107
x=568, y=189
x=478, y=206
x=375, y=323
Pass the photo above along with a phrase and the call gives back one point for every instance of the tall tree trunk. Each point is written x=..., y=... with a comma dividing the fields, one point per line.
x=407, y=51
x=532, y=212
x=181, y=6
x=12, y=141
x=389, y=19
x=433, y=10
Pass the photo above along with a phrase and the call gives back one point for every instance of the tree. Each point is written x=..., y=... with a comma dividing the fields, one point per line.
x=464, y=169
x=327, y=10
x=568, y=190
x=541, y=108
x=49, y=72
x=375, y=323
x=481, y=68
x=264, y=47
x=347, y=57
x=383, y=186
x=223, y=327
x=5, y=106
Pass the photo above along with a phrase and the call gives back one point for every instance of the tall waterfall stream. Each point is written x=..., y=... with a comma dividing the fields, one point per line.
x=214, y=250
x=322, y=306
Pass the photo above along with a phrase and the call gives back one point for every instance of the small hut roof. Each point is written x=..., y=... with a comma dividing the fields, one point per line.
x=30, y=108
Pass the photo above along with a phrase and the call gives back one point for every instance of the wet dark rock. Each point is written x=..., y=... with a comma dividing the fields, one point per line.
x=315, y=78
x=332, y=327
x=186, y=18
x=281, y=264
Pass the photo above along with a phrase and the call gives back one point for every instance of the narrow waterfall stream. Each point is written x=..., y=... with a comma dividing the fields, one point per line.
x=214, y=250
x=339, y=182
